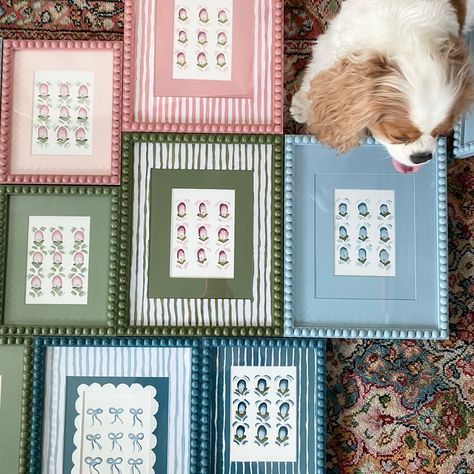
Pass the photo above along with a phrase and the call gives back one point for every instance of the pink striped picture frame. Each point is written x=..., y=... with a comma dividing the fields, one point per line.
x=163, y=87
x=60, y=112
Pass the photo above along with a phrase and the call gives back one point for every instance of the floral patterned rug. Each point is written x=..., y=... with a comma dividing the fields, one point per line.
x=393, y=407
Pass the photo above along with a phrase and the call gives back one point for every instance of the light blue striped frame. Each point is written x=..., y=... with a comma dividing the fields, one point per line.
x=37, y=409
x=462, y=146
x=329, y=330
x=253, y=347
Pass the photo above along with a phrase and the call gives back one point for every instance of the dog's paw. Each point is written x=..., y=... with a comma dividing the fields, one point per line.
x=300, y=107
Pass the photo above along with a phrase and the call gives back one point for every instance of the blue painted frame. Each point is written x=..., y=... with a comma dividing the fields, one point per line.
x=42, y=343
x=305, y=313
x=463, y=145
x=254, y=349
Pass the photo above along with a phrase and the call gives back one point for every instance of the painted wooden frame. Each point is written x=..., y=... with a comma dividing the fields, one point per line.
x=280, y=397
x=184, y=312
x=463, y=145
x=57, y=277
x=65, y=96
x=164, y=367
x=16, y=375
x=398, y=287
x=162, y=101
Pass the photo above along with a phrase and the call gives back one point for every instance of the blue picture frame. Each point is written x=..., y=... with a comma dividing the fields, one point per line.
x=322, y=299
x=134, y=363
x=463, y=144
x=281, y=360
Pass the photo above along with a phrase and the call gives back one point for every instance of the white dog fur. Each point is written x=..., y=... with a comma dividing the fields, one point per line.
x=398, y=69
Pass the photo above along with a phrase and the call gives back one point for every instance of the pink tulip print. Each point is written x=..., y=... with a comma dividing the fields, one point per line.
x=43, y=90
x=220, y=59
x=35, y=287
x=224, y=210
x=203, y=15
x=201, y=256
x=181, y=59
x=64, y=112
x=78, y=236
x=202, y=232
x=202, y=38
x=222, y=259
x=57, y=237
x=82, y=115
x=78, y=258
x=223, y=235
x=181, y=233
x=38, y=237
x=202, y=60
x=62, y=136
x=182, y=14
x=57, y=258
x=83, y=92
x=36, y=282
x=57, y=281
x=202, y=213
x=180, y=257
x=43, y=112
x=64, y=90
x=37, y=258
x=81, y=139
x=42, y=134
x=222, y=17
x=181, y=209
x=222, y=39
x=182, y=37
x=77, y=286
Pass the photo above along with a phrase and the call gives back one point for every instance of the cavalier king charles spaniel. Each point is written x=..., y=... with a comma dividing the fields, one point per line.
x=397, y=69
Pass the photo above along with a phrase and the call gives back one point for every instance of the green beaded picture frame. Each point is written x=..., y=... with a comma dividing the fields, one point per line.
x=60, y=260
x=160, y=173
x=16, y=375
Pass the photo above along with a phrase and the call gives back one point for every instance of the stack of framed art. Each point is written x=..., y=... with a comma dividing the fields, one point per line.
x=171, y=263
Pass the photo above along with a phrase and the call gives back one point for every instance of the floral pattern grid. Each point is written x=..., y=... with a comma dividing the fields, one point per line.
x=62, y=113
x=202, y=46
x=57, y=260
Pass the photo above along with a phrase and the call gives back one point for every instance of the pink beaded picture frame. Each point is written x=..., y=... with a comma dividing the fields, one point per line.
x=213, y=66
x=60, y=112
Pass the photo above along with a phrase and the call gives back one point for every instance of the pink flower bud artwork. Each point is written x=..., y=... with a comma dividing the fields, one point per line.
x=57, y=268
x=63, y=123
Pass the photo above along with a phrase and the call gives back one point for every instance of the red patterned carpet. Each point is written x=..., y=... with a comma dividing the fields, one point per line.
x=393, y=407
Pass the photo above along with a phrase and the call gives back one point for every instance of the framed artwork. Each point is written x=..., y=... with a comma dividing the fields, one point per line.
x=60, y=119
x=204, y=223
x=218, y=67
x=267, y=414
x=365, y=247
x=463, y=145
x=115, y=405
x=16, y=357
x=59, y=259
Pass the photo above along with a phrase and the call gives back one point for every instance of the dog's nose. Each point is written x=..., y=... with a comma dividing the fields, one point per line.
x=420, y=158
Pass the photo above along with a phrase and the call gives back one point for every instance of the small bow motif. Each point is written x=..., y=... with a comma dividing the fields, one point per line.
x=135, y=412
x=93, y=438
x=113, y=463
x=114, y=437
x=135, y=463
x=116, y=412
x=136, y=438
x=94, y=414
x=92, y=463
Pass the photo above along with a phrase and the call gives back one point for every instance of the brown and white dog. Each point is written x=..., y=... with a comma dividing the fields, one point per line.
x=397, y=69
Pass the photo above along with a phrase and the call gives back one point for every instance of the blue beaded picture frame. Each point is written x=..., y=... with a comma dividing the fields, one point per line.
x=266, y=413
x=463, y=144
x=104, y=401
x=365, y=251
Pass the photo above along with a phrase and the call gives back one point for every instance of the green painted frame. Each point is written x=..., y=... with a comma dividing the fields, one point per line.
x=124, y=327
x=114, y=284
x=25, y=403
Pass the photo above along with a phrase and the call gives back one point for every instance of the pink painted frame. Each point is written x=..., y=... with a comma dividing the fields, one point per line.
x=241, y=84
x=143, y=119
x=6, y=118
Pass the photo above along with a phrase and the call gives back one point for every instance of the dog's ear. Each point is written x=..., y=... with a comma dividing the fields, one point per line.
x=344, y=100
